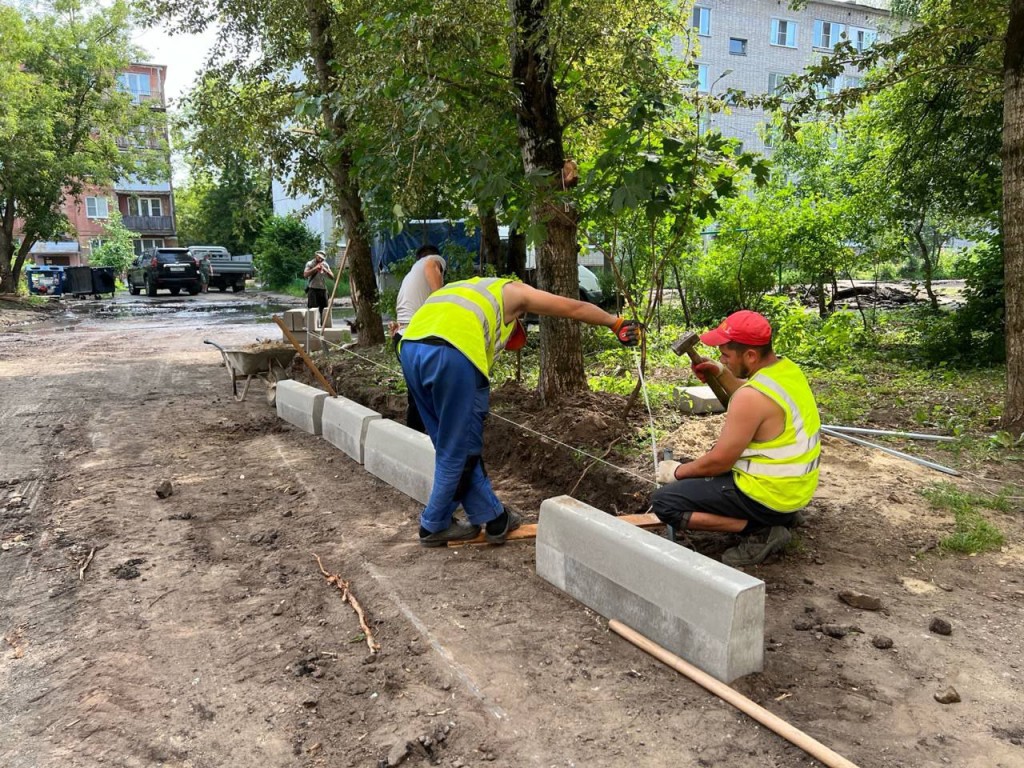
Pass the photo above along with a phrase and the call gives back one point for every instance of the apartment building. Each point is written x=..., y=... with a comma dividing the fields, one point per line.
x=146, y=207
x=752, y=45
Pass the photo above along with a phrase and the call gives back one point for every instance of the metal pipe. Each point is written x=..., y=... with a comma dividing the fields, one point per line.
x=912, y=435
x=899, y=454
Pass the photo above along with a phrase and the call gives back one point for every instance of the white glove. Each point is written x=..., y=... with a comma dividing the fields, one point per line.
x=667, y=471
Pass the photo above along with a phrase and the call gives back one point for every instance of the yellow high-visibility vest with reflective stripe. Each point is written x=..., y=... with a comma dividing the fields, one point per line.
x=469, y=315
x=782, y=473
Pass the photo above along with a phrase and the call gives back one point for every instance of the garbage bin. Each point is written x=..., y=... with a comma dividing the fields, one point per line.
x=44, y=280
x=78, y=281
x=103, y=281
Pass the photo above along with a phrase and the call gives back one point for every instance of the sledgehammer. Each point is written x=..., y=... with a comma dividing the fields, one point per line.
x=684, y=345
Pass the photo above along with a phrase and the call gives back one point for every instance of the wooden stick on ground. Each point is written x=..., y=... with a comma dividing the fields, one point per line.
x=348, y=597
x=529, y=530
x=81, y=571
x=814, y=748
x=305, y=358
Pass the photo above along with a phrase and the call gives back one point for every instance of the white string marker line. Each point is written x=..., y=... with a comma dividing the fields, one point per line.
x=650, y=414
x=523, y=426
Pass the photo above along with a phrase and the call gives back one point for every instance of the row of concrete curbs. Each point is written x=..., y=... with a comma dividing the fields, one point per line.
x=698, y=608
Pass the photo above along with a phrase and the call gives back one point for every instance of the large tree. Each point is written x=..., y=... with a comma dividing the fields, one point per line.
x=60, y=116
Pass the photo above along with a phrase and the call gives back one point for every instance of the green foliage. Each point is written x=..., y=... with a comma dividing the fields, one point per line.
x=973, y=335
x=972, y=532
x=228, y=210
x=60, y=115
x=282, y=249
x=118, y=248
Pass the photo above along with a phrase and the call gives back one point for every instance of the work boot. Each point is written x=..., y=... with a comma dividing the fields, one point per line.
x=755, y=548
x=512, y=522
x=459, y=530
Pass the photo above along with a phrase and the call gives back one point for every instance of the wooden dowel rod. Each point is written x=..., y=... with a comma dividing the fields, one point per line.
x=814, y=748
x=305, y=358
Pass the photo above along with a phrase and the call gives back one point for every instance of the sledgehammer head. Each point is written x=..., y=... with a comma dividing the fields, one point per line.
x=684, y=344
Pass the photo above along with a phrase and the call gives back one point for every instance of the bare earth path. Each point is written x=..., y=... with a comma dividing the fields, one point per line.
x=228, y=647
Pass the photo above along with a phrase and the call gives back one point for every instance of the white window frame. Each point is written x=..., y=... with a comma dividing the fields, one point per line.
x=702, y=78
x=743, y=46
x=136, y=84
x=862, y=38
x=135, y=206
x=702, y=20
x=792, y=29
x=100, y=208
x=95, y=244
x=836, y=32
x=141, y=245
x=775, y=82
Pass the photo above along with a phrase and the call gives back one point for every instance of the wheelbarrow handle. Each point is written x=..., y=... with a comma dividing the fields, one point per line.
x=214, y=344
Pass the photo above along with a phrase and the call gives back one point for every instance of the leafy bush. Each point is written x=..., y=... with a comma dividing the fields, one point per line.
x=975, y=334
x=726, y=281
x=284, y=246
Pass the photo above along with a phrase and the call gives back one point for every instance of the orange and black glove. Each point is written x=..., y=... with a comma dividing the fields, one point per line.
x=628, y=332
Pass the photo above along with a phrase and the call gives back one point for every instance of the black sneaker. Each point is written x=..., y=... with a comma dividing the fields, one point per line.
x=755, y=548
x=459, y=530
x=513, y=522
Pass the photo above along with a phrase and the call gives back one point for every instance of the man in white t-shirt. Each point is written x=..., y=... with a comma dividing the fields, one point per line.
x=425, y=277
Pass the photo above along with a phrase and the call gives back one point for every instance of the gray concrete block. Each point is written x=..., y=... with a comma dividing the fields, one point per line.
x=295, y=319
x=697, y=400
x=698, y=608
x=401, y=457
x=301, y=405
x=337, y=335
x=345, y=424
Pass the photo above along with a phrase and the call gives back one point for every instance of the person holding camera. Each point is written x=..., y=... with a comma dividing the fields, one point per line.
x=316, y=283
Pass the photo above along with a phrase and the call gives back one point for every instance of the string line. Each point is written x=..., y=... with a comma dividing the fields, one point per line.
x=523, y=426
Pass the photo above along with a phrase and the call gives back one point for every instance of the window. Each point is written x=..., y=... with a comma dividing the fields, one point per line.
x=852, y=81
x=784, y=33
x=136, y=84
x=827, y=33
x=775, y=80
x=95, y=244
x=96, y=208
x=144, y=244
x=145, y=206
x=702, y=78
x=862, y=39
x=737, y=46
x=834, y=85
x=702, y=20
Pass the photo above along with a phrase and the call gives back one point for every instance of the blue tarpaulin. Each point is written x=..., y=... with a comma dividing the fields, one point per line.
x=438, y=232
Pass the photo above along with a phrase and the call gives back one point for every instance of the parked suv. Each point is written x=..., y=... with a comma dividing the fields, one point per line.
x=170, y=268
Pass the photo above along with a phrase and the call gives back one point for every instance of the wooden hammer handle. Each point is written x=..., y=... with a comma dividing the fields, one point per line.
x=713, y=382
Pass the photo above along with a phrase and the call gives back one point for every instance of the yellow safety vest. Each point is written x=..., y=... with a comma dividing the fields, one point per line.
x=782, y=473
x=469, y=315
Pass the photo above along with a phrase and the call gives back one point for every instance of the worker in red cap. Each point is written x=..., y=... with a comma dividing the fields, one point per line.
x=764, y=466
x=447, y=352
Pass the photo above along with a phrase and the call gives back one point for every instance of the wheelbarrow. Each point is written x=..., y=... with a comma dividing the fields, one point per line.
x=267, y=363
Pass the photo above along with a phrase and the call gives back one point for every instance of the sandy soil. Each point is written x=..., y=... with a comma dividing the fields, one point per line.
x=197, y=630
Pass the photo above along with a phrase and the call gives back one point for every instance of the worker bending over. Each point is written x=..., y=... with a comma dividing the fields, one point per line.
x=764, y=466
x=447, y=353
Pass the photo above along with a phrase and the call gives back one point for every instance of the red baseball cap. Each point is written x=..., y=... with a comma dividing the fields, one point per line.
x=744, y=327
x=518, y=338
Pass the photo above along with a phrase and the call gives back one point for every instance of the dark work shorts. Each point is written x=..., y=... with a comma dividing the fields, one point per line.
x=316, y=298
x=716, y=496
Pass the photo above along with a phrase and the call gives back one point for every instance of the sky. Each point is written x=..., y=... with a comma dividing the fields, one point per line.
x=183, y=54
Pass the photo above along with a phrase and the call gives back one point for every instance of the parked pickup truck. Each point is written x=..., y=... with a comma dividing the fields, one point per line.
x=228, y=271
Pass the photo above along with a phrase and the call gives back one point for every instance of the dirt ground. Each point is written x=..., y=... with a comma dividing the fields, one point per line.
x=197, y=631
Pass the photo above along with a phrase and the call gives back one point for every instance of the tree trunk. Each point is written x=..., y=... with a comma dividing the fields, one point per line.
x=515, y=256
x=1013, y=217
x=490, y=240
x=540, y=143
x=346, y=192
x=929, y=265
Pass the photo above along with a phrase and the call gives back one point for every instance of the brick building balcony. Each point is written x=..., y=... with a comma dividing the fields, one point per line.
x=149, y=224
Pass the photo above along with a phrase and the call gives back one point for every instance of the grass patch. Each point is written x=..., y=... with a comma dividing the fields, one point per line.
x=972, y=533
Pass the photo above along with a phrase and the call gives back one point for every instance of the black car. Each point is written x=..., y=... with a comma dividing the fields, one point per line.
x=171, y=268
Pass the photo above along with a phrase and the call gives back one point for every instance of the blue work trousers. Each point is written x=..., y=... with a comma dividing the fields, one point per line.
x=452, y=397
